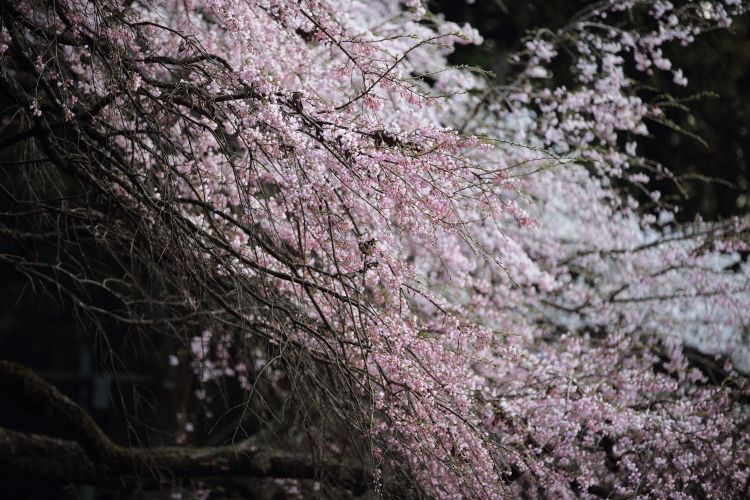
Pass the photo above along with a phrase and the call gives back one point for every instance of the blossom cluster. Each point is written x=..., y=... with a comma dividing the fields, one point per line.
x=507, y=321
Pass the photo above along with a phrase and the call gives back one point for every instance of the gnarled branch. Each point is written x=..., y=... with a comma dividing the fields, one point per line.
x=94, y=459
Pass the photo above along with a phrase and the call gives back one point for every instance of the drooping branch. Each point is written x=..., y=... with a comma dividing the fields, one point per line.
x=94, y=459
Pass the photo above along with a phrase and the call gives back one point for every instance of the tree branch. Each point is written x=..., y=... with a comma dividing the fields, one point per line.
x=18, y=137
x=94, y=459
x=43, y=399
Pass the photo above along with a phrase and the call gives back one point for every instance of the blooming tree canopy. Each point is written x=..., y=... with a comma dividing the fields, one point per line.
x=443, y=280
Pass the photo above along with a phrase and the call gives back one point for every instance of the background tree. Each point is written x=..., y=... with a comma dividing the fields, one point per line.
x=416, y=283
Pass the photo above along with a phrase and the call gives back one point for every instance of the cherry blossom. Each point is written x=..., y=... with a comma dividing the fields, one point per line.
x=499, y=319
